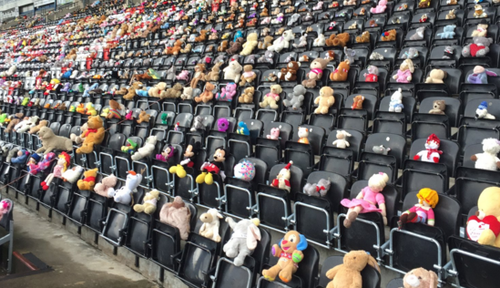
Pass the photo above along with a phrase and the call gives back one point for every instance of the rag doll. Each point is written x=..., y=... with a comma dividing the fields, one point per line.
x=431, y=152
x=421, y=212
x=62, y=165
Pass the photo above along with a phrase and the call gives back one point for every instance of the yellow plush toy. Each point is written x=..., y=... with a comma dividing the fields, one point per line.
x=148, y=205
x=90, y=109
x=484, y=227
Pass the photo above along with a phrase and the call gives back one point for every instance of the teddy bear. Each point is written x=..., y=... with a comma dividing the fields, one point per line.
x=488, y=160
x=247, y=95
x=202, y=37
x=319, y=189
x=211, y=223
x=337, y=40
x=484, y=226
x=271, y=99
x=248, y=75
x=341, y=141
x=51, y=142
x=173, y=92
x=405, y=71
x=268, y=41
x=88, y=181
x=243, y=240
x=143, y=117
x=106, y=184
x=250, y=44
x=480, y=31
x=178, y=215
x=35, y=129
x=294, y=100
x=317, y=66
x=13, y=122
x=199, y=74
x=348, y=274
x=233, y=71
x=479, y=47
x=235, y=47
x=289, y=248
x=396, y=103
x=131, y=91
x=389, y=35
x=227, y=93
x=157, y=90
x=357, y=102
x=420, y=278
x=282, y=42
x=380, y=8
x=207, y=95
x=436, y=76
x=289, y=73
x=94, y=135
x=187, y=93
x=146, y=150
x=213, y=75
x=364, y=37
x=223, y=46
x=324, y=101
x=438, y=107
x=149, y=202
x=341, y=72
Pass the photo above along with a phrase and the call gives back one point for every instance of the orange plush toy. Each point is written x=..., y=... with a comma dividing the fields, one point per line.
x=289, y=250
x=389, y=35
x=358, y=102
x=340, y=74
x=93, y=136
x=339, y=40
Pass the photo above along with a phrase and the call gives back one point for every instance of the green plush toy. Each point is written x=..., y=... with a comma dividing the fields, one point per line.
x=3, y=117
x=129, y=147
x=164, y=119
x=80, y=88
x=25, y=102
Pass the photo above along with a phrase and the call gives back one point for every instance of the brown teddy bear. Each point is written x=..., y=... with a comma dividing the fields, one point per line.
x=247, y=95
x=175, y=49
x=207, y=95
x=236, y=46
x=131, y=91
x=248, y=75
x=363, y=38
x=289, y=73
x=199, y=74
x=389, y=35
x=143, y=117
x=317, y=66
x=223, y=46
x=37, y=128
x=17, y=118
x=339, y=40
x=357, y=103
x=340, y=74
x=348, y=274
x=71, y=55
x=88, y=181
x=202, y=37
x=268, y=41
x=438, y=107
x=436, y=76
x=213, y=75
x=157, y=90
x=173, y=92
x=187, y=48
x=420, y=278
x=93, y=136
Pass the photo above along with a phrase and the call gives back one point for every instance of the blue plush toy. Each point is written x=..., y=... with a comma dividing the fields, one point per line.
x=93, y=87
x=243, y=129
x=237, y=35
x=67, y=74
x=22, y=156
x=142, y=93
x=448, y=32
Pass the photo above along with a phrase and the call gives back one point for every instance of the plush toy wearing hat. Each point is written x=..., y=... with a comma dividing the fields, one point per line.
x=282, y=180
x=62, y=165
x=422, y=212
x=431, y=152
x=482, y=112
x=34, y=158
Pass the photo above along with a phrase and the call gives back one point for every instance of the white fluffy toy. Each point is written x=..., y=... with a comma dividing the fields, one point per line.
x=341, y=141
x=482, y=112
x=124, y=194
x=146, y=150
x=488, y=160
x=211, y=224
x=282, y=42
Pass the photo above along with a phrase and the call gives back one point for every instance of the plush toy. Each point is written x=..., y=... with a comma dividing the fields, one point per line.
x=380, y=8
x=479, y=75
x=207, y=95
x=480, y=31
x=235, y=47
x=11, y=154
x=6, y=206
x=146, y=150
x=448, y=32
x=482, y=112
x=167, y=153
x=242, y=129
x=396, y=103
x=13, y=122
x=367, y=200
x=244, y=170
x=289, y=251
x=274, y=133
x=319, y=189
x=28, y=125
x=294, y=100
x=149, y=202
x=197, y=124
x=22, y=157
x=227, y=93
x=88, y=181
x=187, y=93
x=216, y=166
x=211, y=224
x=324, y=101
x=52, y=142
x=341, y=72
x=115, y=110
x=357, y=102
x=177, y=215
x=243, y=240
x=289, y=73
x=270, y=100
x=451, y=15
x=421, y=212
x=431, y=152
x=436, y=76
x=94, y=135
x=124, y=194
x=144, y=117
x=62, y=165
x=248, y=75
x=348, y=274
x=479, y=48
x=381, y=149
x=282, y=180
x=404, y=74
x=438, y=107
x=268, y=41
x=107, y=183
x=338, y=40
x=317, y=66
x=479, y=12
x=488, y=160
x=213, y=75
x=222, y=125
x=232, y=71
x=282, y=42
x=156, y=91
x=420, y=278
x=303, y=133
x=372, y=75
x=250, y=44
x=389, y=35
x=341, y=141
x=173, y=92
x=199, y=74
x=484, y=227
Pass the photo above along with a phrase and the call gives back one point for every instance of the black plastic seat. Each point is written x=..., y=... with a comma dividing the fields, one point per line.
x=340, y=161
x=418, y=175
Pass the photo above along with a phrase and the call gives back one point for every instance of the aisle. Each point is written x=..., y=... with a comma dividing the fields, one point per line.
x=74, y=262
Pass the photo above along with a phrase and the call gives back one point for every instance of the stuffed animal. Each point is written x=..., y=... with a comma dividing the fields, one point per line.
x=282, y=180
x=319, y=189
x=242, y=129
x=227, y=93
x=13, y=122
x=270, y=100
x=274, y=133
x=5, y=207
x=451, y=15
x=22, y=157
x=484, y=227
x=167, y=153
x=357, y=102
x=404, y=74
x=423, y=211
x=197, y=124
x=199, y=74
x=146, y=150
x=28, y=125
x=479, y=48
x=132, y=90
x=448, y=32
x=233, y=71
x=244, y=170
x=389, y=35
x=480, y=31
x=372, y=75
x=94, y=135
x=436, y=76
x=51, y=142
x=64, y=160
x=268, y=41
x=282, y=42
x=207, y=95
x=420, y=278
x=222, y=124
x=431, y=152
x=213, y=75
x=173, y=92
x=303, y=133
x=294, y=100
x=348, y=274
x=248, y=75
x=149, y=202
x=381, y=149
x=396, y=103
x=188, y=161
x=340, y=74
x=380, y=8
x=479, y=75
x=488, y=160
x=479, y=12
x=250, y=44
x=320, y=41
x=12, y=153
x=482, y=112
x=438, y=107
x=317, y=66
x=157, y=90
x=124, y=194
x=338, y=40
x=289, y=251
x=106, y=184
x=177, y=215
x=243, y=240
x=235, y=47
x=324, y=101
x=88, y=181
x=289, y=73
x=216, y=166
x=211, y=224
x=341, y=141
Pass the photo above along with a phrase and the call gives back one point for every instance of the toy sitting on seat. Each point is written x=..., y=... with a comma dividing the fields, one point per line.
x=177, y=215
x=319, y=189
x=211, y=224
x=484, y=227
x=61, y=167
x=396, y=103
x=348, y=274
x=149, y=202
x=431, y=152
x=303, y=133
x=341, y=141
x=124, y=194
x=479, y=75
x=216, y=166
x=488, y=160
x=420, y=278
x=421, y=212
x=404, y=74
x=5, y=207
x=380, y=8
x=243, y=240
x=166, y=154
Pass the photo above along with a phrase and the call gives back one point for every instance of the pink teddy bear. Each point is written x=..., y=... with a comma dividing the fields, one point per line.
x=274, y=134
x=227, y=93
x=184, y=75
x=380, y=8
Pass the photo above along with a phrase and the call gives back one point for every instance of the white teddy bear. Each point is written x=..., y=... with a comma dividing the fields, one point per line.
x=396, y=104
x=146, y=150
x=233, y=71
x=488, y=160
x=282, y=42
